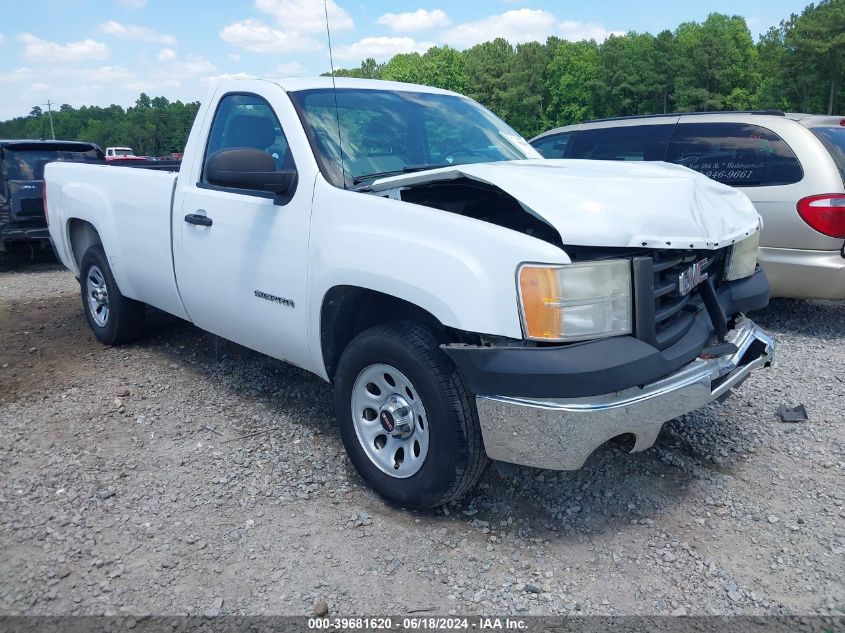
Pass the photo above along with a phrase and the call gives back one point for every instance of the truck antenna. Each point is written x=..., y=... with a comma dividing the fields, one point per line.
x=334, y=89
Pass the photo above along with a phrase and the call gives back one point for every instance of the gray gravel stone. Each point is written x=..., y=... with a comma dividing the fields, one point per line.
x=160, y=508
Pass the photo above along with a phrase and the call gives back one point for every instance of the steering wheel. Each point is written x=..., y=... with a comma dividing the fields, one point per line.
x=458, y=150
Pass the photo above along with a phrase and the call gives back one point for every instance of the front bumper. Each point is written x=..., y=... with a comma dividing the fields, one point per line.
x=560, y=434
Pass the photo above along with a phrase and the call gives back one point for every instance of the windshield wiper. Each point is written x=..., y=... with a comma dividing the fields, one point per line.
x=405, y=170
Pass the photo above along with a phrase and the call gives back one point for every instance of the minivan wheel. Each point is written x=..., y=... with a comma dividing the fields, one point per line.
x=407, y=421
x=113, y=318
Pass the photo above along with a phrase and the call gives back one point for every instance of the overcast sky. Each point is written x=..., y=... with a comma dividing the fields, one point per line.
x=98, y=52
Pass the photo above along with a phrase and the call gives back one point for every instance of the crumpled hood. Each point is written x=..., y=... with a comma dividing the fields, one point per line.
x=613, y=203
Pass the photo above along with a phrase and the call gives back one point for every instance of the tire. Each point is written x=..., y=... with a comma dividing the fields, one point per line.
x=443, y=457
x=114, y=319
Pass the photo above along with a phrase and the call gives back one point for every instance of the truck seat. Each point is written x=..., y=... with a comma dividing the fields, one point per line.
x=246, y=130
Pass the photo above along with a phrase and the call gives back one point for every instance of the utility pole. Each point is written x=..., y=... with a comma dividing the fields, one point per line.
x=50, y=114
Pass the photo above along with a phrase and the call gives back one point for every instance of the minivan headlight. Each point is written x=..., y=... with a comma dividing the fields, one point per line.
x=575, y=302
x=742, y=260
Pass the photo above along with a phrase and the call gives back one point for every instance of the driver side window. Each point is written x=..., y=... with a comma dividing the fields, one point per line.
x=247, y=121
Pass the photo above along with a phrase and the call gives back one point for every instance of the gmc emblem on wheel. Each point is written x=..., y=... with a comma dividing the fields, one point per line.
x=387, y=422
x=693, y=276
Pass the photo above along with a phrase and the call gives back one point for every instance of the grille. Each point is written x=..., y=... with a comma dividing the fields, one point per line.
x=663, y=312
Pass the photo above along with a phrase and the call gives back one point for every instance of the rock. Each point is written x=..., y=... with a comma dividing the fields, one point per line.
x=321, y=608
x=772, y=519
x=123, y=392
x=679, y=611
x=531, y=589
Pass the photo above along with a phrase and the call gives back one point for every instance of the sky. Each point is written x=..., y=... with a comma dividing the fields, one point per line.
x=99, y=52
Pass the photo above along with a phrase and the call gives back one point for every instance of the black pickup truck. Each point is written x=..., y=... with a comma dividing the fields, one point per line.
x=22, y=164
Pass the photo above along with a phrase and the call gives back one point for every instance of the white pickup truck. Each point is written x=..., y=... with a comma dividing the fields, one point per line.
x=464, y=296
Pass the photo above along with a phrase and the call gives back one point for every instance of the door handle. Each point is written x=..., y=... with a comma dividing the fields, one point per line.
x=198, y=219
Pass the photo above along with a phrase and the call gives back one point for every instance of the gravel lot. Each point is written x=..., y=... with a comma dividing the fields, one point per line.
x=156, y=479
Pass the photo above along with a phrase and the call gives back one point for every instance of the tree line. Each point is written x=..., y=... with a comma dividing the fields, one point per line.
x=152, y=127
x=797, y=66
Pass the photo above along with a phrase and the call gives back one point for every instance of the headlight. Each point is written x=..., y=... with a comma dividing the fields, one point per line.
x=576, y=302
x=742, y=261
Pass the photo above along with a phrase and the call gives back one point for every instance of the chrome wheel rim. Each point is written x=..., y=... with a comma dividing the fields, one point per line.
x=97, y=295
x=390, y=420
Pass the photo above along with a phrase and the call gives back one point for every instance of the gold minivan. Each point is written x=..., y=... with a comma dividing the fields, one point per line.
x=791, y=166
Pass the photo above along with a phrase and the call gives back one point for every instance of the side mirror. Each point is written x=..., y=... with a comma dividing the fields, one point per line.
x=252, y=169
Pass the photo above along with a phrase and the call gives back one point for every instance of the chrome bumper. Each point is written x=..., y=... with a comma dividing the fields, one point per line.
x=561, y=434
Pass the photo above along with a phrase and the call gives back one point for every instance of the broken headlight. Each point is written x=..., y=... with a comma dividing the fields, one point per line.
x=575, y=302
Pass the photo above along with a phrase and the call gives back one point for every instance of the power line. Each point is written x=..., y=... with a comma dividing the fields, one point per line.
x=50, y=112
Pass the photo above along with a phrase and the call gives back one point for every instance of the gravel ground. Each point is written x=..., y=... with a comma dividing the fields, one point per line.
x=156, y=478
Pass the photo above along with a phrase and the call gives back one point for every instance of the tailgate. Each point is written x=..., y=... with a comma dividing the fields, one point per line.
x=27, y=200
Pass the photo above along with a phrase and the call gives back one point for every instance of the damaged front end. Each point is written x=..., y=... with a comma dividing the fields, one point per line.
x=561, y=433
x=670, y=339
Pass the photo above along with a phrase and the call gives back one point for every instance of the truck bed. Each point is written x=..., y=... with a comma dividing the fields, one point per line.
x=131, y=210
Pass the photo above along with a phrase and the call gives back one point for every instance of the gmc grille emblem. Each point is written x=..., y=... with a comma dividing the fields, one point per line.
x=692, y=276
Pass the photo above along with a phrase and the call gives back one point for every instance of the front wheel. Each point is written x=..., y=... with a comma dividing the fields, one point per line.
x=406, y=419
x=113, y=318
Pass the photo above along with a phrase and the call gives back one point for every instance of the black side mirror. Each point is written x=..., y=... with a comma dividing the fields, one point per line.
x=244, y=168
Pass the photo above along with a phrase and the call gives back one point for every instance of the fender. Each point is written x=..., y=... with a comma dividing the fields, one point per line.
x=460, y=270
x=87, y=203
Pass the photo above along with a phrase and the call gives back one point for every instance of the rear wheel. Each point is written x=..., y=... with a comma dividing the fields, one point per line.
x=406, y=419
x=113, y=318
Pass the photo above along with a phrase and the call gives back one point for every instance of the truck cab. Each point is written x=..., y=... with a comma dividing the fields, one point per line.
x=121, y=153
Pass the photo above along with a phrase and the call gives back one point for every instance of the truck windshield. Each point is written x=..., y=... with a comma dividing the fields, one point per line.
x=28, y=164
x=123, y=152
x=387, y=132
x=833, y=138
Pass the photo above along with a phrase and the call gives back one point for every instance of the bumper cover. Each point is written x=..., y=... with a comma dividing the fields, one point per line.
x=16, y=232
x=560, y=434
x=802, y=274
x=598, y=367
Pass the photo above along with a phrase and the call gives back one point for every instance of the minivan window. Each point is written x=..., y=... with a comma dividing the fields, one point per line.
x=833, y=138
x=553, y=146
x=635, y=142
x=736, y=154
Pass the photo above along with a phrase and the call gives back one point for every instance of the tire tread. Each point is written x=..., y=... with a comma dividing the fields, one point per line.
x=127, y=314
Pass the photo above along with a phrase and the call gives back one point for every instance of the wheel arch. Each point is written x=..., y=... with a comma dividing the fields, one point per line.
x=348, y=310
x=82, y=235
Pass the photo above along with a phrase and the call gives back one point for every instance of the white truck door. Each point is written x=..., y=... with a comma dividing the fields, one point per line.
x=241, y=255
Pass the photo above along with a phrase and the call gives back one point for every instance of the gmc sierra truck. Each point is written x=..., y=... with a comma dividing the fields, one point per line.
x=466, y=298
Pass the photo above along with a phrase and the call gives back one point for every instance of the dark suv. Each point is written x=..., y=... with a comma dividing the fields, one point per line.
x=22, y=164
